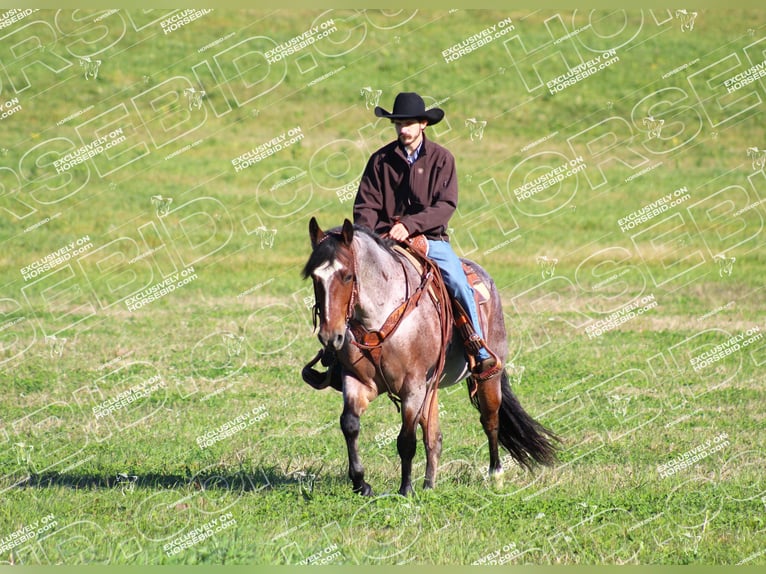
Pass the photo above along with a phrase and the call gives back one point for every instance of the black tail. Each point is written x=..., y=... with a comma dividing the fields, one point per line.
x=527, y=441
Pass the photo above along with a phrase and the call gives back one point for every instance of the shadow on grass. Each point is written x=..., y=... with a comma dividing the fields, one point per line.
x=253, y=480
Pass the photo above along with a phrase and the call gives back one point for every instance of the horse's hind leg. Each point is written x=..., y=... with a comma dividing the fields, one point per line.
x=490, y=397
x=354, y=405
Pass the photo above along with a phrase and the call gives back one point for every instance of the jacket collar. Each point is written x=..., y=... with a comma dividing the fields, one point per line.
x=423, y=147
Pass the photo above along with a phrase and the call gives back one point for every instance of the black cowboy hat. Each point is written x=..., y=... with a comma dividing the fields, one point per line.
x=409, y=105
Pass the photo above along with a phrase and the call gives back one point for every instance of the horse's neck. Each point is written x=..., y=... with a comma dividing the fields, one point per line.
x=382, y=282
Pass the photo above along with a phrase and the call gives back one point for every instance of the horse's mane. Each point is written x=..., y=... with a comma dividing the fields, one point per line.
x=386, y=243
x=327, y=249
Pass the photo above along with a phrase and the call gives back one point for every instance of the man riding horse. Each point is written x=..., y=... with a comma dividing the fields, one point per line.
x=408, y=192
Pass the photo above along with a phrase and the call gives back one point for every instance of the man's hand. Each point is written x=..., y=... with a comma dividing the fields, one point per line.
x=399, y=232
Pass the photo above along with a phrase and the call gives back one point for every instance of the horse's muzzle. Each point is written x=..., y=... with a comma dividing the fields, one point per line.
x=334, y=340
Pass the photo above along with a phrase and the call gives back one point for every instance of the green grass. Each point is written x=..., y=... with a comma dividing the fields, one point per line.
x=229, y=345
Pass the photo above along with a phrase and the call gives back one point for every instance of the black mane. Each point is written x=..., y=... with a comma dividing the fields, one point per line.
x=328, y=247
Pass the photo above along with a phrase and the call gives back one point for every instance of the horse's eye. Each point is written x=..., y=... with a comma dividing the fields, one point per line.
x=347, y=278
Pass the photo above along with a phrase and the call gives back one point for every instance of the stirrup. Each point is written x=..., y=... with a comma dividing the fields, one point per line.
x=319, y=380
x=480, y=376
x=475, y=379
x=488, y=373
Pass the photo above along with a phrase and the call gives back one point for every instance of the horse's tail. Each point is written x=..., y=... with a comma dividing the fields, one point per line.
x=527, y=441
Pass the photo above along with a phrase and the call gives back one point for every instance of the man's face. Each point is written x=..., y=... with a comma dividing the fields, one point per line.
x=409, y=131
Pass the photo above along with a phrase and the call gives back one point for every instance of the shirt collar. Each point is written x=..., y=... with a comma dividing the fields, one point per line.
x=416, y=154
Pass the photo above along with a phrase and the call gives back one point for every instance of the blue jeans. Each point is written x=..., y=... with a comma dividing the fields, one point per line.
x=456, y=281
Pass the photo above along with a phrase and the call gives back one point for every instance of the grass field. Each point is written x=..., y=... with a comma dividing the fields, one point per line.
x=153, y=321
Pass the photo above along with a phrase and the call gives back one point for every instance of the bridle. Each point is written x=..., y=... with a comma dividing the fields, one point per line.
x=317, y=310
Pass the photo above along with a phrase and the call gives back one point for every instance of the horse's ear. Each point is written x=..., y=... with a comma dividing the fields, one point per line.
x=315, y=232
x=348, y=231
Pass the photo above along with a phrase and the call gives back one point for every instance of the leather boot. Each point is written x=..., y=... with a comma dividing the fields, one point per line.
x=480, y=360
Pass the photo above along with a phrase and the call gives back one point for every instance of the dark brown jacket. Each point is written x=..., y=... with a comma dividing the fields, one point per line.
x=422, y=197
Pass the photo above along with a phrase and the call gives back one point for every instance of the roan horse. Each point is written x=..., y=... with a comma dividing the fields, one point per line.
x=360, y=281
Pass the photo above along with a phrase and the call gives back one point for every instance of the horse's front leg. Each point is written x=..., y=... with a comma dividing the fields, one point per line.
x=432, y=439
x=355, y=401
x=406, y=442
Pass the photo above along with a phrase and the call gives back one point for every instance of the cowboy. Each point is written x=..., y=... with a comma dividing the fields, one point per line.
x=408, y=189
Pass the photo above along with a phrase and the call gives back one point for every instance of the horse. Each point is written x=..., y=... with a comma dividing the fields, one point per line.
x=361, y=281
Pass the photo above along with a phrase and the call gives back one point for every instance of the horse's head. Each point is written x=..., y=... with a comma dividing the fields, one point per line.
x=331, y=267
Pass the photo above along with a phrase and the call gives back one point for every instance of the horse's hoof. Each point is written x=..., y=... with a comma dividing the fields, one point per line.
x=498, y=478
x=427, y=485
x=406, y=490
x=364, y=490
